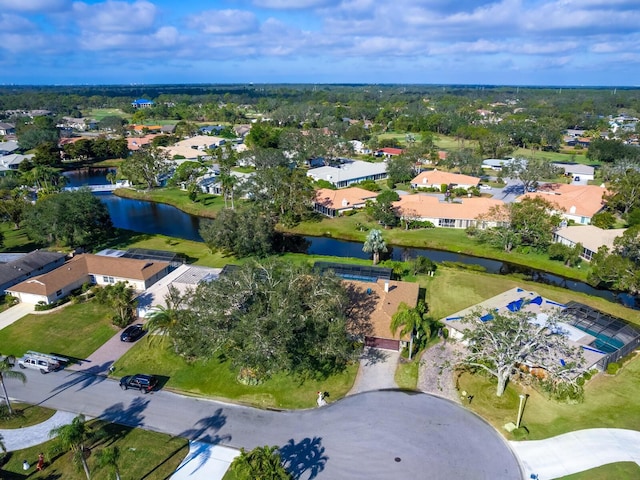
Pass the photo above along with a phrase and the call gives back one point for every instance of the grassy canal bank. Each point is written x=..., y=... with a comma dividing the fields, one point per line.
x=355, y=227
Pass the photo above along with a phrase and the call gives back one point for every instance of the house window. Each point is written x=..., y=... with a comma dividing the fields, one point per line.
x=447, y=222
x=92, y=278
x=58, y=293
x=106, y=279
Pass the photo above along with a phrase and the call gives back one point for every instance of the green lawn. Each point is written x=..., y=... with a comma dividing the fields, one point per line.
x=26, y=415
x=75, y=331
x=610, y=402
x=617, y=471
x=143, y=455
x=217, y=379
x=205, y=206
x=99, y=113
x=15, y=240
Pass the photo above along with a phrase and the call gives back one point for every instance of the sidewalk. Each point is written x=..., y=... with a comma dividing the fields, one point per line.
x=205, y=461
x=19, y=438
x=577, y=451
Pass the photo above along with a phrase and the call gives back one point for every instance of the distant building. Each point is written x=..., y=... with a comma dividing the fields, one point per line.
x=142, y=103
x=591, y=238
x=349, y=173
x=577, y=202
x=333, y=203
x=436, y=178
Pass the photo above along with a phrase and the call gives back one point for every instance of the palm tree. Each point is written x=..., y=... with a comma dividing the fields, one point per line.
x=375, y=244
x=74, y=437
x=164, y=320
x=108, y=457
x=6, y=371
x=406, y=319
x=260, y=463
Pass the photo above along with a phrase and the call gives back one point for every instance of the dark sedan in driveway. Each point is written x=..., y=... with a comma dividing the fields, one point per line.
x=132, y=333
x=140, y=381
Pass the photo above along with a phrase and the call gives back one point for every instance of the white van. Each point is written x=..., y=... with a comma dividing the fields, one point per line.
x=42, y=361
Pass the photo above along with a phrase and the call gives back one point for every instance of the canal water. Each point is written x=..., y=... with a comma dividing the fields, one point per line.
x=155, y=218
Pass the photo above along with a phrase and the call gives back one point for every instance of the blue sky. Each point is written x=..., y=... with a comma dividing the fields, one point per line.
x=515, y=42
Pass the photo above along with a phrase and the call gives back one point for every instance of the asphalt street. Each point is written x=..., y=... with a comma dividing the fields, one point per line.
x=383, y=434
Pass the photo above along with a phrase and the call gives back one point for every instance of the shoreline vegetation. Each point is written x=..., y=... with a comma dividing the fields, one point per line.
x=350, y=228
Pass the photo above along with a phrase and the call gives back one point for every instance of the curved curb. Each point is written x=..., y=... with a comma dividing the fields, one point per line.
x=20, y=438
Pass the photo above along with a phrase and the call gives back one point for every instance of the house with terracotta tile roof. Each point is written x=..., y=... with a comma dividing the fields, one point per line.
x=136, y=143
x=87, y=268
x=576, y=202
x=374, y=303
x=436, y=178
x=334, y=203
x=461, y=213
x=390, y=151
x=591, y=238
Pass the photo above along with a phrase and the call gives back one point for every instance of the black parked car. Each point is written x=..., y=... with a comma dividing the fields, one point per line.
x=144, y=383
x=132, y=333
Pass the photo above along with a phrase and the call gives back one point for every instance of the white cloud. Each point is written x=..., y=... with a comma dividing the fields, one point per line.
x=115, y=16
x=13, y=23
x=224, y=22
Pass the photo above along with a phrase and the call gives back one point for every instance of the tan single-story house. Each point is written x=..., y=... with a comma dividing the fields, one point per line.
x=591, y=238
x=375, y=303
x=333, y=203
x=436, y=178
x=577, y=202
x=87, y=268
x=461, y=213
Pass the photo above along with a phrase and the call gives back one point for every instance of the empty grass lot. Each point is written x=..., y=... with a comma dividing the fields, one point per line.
x=74, y=331
x=205, y=206
x=216, y=378
x=143, y=455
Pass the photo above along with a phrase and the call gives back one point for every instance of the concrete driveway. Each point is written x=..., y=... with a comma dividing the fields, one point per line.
x=577, y=451
x=377, y=371
x=382, y=434
x=15, y=313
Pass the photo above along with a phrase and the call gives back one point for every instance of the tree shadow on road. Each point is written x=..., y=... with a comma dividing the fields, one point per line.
x=305, y=457
x=82, y=380
x=205, y=435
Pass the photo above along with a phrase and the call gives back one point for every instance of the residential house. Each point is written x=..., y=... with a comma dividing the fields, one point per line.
x=334, y=203
x=496, y=164
x=390, y=152
x=373, y=303
x=210, y=183
x=576, y=202
x=11, y=163
x=142, y=103
x=136, y=143
x=350, y=172
x=168, y=129
x=9, y=147
x=87, y=268
x=30, y=265
x=462, y=213
x=359, y=147
x=585, y=172
x=436, y=178
x=211, y=129
x=7, y=129
x=576, y=326
x=591, y=238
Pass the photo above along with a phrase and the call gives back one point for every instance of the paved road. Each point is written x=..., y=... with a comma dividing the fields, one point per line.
x=386, y=434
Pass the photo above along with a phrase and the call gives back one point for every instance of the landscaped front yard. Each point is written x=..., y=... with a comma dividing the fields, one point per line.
x=217, y=378
x=74, y=331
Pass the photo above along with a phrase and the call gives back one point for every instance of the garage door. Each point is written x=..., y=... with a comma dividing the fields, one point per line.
x=385, y=343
